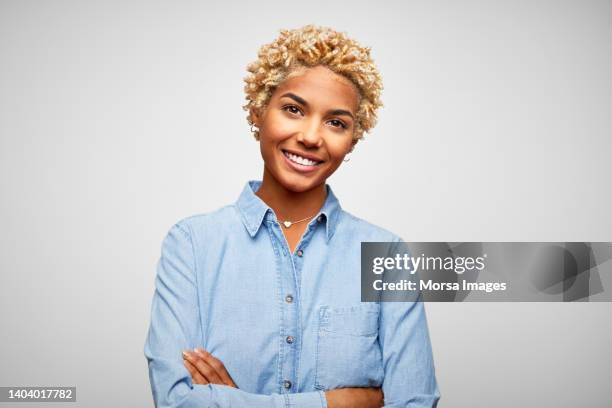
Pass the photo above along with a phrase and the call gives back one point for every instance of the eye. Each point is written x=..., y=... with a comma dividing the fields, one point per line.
x=292, y=109
x=338, y=123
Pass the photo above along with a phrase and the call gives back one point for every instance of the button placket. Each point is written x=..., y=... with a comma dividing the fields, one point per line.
x=290, y=281
x=290, y=314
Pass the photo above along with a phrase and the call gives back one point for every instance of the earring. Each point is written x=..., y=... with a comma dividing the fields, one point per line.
x=346, y=159
x=255, y=132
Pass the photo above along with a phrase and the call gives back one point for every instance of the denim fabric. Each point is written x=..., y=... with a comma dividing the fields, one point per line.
x=227, y=282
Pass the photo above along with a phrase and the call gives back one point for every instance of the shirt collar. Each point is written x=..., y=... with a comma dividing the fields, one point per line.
x=253, y=210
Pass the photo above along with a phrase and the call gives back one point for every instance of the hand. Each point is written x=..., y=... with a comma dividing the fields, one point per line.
x=354, y=397
x=206, y=369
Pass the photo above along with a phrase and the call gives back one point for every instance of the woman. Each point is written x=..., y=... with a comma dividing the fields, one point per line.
x=258, y=303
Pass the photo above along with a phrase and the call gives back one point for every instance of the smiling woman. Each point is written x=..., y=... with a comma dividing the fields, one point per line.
x=304, y=134
x=258, y=303
x=307, y=128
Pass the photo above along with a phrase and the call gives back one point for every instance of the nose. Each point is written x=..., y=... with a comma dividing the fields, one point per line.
x=310, y=137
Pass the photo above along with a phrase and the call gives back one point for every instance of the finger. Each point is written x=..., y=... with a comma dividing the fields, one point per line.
x=205, y=357
x=196, y=377
x=217, y=365
x=204, y=368
x=219, y=368
x=200, y=365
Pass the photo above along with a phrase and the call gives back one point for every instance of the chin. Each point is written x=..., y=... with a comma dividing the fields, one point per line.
x=299, y=184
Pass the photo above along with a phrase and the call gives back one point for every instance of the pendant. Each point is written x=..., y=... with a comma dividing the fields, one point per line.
x=287, y=224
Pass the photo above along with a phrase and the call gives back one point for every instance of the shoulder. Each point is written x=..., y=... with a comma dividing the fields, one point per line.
x=364, y=230
x=218, y=220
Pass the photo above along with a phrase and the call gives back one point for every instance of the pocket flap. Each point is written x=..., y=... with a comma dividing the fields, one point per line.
x=359, y=320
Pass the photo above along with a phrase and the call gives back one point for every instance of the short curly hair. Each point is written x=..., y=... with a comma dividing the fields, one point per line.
x=309, y=46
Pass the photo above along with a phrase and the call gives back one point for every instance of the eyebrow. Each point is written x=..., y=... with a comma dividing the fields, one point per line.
x=303, y=102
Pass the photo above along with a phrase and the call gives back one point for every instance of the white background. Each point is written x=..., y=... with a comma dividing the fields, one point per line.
x=118, y=118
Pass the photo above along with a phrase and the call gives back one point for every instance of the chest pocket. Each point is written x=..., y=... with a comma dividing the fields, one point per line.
x=348, y=351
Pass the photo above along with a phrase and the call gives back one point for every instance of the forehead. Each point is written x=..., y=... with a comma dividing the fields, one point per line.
x=321, y=86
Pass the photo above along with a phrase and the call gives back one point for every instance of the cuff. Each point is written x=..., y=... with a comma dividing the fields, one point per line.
x=314, y=399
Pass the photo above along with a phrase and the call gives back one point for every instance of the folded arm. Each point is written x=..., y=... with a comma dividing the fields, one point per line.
x=409, y=380
x=175, y=326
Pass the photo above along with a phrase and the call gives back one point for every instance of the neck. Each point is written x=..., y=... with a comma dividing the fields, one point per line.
x=290, y=205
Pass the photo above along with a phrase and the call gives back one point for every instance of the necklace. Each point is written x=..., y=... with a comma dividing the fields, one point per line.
x=288, y=224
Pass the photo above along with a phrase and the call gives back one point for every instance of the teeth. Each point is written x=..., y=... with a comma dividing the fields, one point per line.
x=300, y=160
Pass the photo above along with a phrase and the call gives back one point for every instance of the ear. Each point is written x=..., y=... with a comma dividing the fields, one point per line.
x=255, y=117
x=353, y=144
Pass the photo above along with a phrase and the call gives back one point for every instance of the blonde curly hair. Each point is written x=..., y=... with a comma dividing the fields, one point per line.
x=307, y=47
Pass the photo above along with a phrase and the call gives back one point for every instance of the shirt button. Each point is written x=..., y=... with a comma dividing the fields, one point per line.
x=287, y=384
x=290, y=339
x=288, y=298
x=300, y=252
x=320, y=218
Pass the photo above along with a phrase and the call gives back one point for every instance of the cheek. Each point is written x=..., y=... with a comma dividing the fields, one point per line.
x=339, y=148
x=278, y=127
x=266, y=145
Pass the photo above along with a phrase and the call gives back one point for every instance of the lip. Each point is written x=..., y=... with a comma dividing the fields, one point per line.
x=300, y=168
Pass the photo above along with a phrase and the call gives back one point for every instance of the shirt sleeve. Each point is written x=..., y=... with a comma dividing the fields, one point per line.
x=409, y=380
x=175, y=326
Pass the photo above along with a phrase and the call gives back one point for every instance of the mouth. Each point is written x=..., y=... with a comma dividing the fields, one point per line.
x=301, y=163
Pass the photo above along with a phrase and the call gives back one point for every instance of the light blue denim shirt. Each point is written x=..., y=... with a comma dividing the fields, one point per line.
x=287, y=326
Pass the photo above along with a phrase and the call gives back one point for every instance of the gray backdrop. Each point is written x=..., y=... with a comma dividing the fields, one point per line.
x=118, y=118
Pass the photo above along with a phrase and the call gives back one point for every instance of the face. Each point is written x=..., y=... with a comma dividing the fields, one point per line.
x=307, y=128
